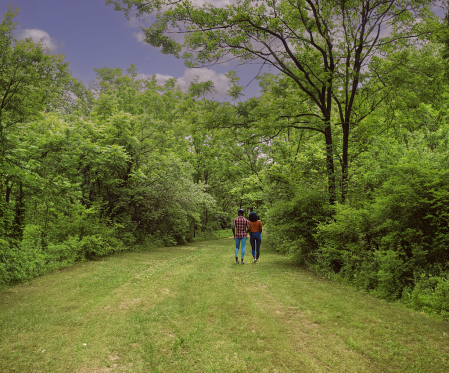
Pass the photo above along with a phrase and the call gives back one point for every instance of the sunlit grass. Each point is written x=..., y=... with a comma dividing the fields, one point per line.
x=193, y=309
x=215, y=235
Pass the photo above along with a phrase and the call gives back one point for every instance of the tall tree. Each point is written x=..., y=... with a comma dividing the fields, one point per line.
x=324, y=46
x=30, y=78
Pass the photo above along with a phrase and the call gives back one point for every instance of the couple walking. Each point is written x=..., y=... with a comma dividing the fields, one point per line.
x=240, y=228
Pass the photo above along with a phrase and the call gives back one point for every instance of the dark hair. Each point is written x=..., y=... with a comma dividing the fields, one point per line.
x=252, y=217
x=240, y=211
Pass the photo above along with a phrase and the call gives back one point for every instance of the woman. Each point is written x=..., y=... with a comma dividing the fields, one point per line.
x=255, y=235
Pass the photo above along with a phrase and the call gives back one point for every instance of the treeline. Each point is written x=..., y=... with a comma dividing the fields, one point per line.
x=88, y=172
x=348, y=167
x=390, y=236
x=349, y=136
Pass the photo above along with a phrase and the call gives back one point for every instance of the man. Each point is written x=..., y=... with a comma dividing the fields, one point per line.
x=240, y=228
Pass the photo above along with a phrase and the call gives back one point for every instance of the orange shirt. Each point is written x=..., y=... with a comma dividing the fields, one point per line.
x=255, y=226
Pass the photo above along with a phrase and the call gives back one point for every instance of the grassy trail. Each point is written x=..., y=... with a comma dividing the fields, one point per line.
x=192, y=309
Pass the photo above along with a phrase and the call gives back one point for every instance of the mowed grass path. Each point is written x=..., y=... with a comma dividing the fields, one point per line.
x=192, y=309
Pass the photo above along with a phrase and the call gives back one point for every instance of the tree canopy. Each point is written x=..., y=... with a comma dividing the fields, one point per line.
x=324, y=47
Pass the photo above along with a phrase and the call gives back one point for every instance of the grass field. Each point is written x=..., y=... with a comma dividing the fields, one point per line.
x=192, y=309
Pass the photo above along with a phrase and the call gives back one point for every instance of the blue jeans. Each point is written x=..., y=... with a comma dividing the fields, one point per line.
x=237, y=246
x=255, y=240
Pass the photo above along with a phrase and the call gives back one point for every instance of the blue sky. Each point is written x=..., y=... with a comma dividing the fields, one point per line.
x=93, y=35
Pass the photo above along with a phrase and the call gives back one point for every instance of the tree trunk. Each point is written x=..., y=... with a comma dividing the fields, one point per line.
x=330, y=164
x=19, y=217
x=344, y=163
x=8, y=191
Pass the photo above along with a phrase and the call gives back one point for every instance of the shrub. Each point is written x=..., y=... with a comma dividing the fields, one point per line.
x=430, y=294
x=93, y=246
x=221, y=220
x=293, y=224
x=391, y=275
x=4, y=249
x=24, y=260
x=402, y=232
x=440, y=299
x=99, y=245
x=64, y=254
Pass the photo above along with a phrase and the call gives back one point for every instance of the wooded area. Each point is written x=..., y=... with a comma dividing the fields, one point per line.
x=344, y=154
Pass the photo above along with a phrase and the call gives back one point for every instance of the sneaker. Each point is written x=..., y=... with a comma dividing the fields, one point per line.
x=242, y=262
x=255, y=260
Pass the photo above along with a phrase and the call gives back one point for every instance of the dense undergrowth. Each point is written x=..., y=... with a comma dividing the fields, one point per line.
x=30, y=258
x=393, y=244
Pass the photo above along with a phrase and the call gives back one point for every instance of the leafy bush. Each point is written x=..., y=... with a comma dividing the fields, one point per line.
x=29, y=258
x=391, y=274
x=102, y=243
x=293, y=224
x=430, y=294
x=343, y=241
x=220, y=220
x=4, y=274
x=402, y=233
x=63, y=254
x=24, y=260
x=94, y=246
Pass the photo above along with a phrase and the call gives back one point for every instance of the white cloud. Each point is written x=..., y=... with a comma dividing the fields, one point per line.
x=221, y=82
x=40, y=35
x=139, y=36
x=217, y=3
x=148, y=19
x=160, y=79
x=134, y=22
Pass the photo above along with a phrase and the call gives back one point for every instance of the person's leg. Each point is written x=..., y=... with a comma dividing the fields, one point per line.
x=243, y=240
x=258, y=242
x=252, y=242
x=237, y=247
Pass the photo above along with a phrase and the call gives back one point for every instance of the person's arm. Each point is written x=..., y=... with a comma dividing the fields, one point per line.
x=248, y=229
x=260, y=227
x=233, y=228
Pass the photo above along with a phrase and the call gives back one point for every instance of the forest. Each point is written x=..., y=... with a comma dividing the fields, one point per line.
x=344, y=154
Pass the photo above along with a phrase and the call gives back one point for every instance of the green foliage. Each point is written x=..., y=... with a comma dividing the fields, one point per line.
x=222, y=220
x=20, y=262
x=342, y=245
x=96, y=179
x=89, y=172
x=430, y=294
x=63, y=254
x=30, y=78
x=293, y=223
x=399, y=234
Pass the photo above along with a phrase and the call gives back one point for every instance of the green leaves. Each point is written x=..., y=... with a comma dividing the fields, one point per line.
x=29, y=77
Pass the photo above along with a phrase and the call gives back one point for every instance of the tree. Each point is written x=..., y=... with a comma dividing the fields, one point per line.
x=324, y=46
x=29, y=79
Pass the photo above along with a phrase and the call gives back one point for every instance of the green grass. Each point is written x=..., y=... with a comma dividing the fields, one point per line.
x=192, y=309
x=215, y=235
